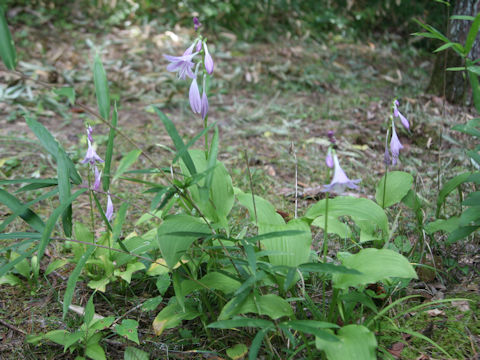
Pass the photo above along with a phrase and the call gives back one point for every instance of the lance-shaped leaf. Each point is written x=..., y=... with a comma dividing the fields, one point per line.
x=7, y=47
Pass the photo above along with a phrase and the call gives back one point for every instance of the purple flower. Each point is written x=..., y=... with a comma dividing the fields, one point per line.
x=199, y=46
x=204, y=105
x=109, y=212
x=91, y=155
x=181, y=64
x=189, y=51
x=194, y=97
x=395, y=145
x=340, y=179
x=208, y=60
x=386, y=155
x=196, y=23
x=89, y=133
x=329, y=159
x=98, y=178
x=397, y=113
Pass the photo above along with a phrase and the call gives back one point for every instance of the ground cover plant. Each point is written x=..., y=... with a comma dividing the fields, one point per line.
x=166, y=246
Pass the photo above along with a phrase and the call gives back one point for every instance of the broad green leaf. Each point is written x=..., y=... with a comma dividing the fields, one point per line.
x=448, y=225
x=6, y=267
x=473, y=78
x=86, y=236
x=356, y=342
x=101, y=88
x=472, y=199
x=295, y=249
x=64, y=191
x=129, y=329
x=131, y=268
x=171, y=316
x=461, y=233
x=217, y=205
x=328, y=268
x=237, y=352
x=152, y=303
x=52, y=146
x=132, y=353
x=265, y=212
x=213, y=280
x=173, y=247
x=95, y=352
x=89, y=311
x=334, y=226
x=313, y=327
x=397, y=186
x=374, y=265
x=126, y=162
x=448, y=187
x=7, y=47
x=106, y=177
x=54, y=265
x=57, y=336
x=10, y=279
x=270, y=305
x=24, y=212
x=100, y=284
x=470, y=216
x=68, y=92
x=369, y=217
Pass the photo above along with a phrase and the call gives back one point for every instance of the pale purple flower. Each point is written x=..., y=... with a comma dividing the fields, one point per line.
x=397, y=113
x=98, y=178
x=183, y=65
x=329, y=159
x=194, y=97
x=199, y=46
x=208, y=60
x=395, y=145
x=109, y=212
x=89, y=133
x=91, y=155
x=204, y=105
x=189, y=51
x=340, y=179
x=196, y=23
x=386, y=155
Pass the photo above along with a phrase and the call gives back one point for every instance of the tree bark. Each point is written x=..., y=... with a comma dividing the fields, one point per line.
x=456, y=87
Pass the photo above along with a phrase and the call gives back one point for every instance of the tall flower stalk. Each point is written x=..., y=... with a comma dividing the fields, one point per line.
x=195, y=56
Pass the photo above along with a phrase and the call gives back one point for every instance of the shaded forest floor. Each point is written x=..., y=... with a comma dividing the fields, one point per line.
x=265, y=97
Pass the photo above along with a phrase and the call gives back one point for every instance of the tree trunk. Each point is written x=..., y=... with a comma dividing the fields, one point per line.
x=457, y=89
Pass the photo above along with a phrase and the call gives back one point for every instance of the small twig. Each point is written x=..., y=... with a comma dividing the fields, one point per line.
x=127, y=312
x=12, y=327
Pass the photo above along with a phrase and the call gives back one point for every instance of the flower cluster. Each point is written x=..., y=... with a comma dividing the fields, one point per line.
x=92, y=158
x=340, y=180
x=395, y=144
x=184, y=65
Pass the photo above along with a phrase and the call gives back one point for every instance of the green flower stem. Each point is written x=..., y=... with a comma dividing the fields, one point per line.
x=385, y=186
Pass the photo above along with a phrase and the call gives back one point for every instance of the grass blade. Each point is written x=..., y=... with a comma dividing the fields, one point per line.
x=64, y=191
x=7, y=47
x=101, y=88
x=108, y=155
x=21, y=210
x=177, y=141
x=52, y=146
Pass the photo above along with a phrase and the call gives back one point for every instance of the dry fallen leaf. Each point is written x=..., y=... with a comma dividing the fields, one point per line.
x=435, y=312
x=461, y=305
